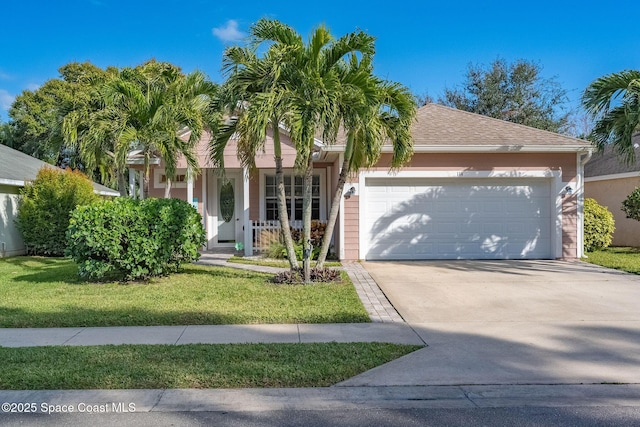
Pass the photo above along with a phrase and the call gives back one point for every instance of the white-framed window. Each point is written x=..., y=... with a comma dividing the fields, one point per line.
x=160, y=179
x=294, y=188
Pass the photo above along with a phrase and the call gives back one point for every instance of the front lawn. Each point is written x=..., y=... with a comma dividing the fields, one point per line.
x=191, y=366
x=46, y=292
x=621, y=258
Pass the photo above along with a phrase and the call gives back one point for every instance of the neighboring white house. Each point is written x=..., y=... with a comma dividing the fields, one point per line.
x=15, y=169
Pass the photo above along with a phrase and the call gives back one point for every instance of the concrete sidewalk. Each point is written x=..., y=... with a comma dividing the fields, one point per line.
x=399, y=333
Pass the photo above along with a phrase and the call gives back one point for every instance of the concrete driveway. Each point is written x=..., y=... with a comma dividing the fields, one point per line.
x=512, y=322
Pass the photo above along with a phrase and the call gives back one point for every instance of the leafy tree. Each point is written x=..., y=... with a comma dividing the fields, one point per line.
x=631, y=205
x=46, y=205
x=6, y=134
x=311, y=74
x=37, y=115
x=613, y=101
x=513, y=92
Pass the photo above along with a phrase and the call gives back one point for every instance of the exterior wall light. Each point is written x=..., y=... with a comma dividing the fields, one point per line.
x=350, y=192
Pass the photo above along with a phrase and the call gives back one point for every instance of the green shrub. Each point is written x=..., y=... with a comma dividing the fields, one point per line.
x=598, y=226
x=134, y=239
x=631, y=205
x=46, y=205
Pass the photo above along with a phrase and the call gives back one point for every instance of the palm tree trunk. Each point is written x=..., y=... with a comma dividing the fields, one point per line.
x=282, y=199
x=122, y=183
x=145, y=178
x=335, y=205
x=167, y=188
x=306, y=219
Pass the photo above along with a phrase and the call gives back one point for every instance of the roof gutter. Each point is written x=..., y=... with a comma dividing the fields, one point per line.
x=514, y=148
x=12, y=182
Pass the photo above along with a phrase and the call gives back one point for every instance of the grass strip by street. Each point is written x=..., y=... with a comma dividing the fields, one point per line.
x=271, y=262
x=620, y=258
x=191, y=366
x=46, y=292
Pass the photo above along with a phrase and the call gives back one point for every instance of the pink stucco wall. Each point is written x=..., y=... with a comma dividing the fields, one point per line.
x=564, y=162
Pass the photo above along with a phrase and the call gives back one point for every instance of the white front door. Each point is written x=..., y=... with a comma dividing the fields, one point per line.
x=227, y=205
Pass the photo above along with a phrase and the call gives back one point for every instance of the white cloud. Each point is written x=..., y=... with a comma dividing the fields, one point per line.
x=4, y=76
x=6, y=100
x=229, y=32
x=33, y=86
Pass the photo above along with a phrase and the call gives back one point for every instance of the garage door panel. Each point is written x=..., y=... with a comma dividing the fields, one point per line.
x=457, y=219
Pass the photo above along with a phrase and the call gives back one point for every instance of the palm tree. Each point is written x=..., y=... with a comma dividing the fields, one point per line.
x=256, y=101
x=373, y=111
x=310, y=72
x=87, y=129
x=146, y=107
x=614, y=102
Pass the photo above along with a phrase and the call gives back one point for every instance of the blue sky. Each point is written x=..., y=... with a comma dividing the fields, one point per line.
x=425, y=45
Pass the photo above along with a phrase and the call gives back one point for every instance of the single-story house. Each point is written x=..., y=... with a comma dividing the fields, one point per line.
x=476, y=188
x=15, y=169
x=609, y=180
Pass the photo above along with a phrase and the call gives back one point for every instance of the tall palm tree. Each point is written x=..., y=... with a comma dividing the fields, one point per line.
x=310, y=72
x=614, y=102
x=256, y=100
x=373, y=112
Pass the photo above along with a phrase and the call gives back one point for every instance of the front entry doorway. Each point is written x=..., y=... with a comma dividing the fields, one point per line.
x=226, y=200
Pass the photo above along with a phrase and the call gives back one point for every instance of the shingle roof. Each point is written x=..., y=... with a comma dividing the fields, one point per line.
x=608, y=162
x=440, y=128
x=17, y=167
x=440, y=125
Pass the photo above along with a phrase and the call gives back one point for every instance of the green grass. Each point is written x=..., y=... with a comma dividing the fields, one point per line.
x=191, y=366
x=621, y=258
x=271, y=262
x=46, y=292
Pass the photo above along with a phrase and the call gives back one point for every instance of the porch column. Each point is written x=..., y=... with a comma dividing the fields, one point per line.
x=190, y=186
x=248, y=232
x=340, y=242
x=205, y=211
x=132, y=183
x=141, y=187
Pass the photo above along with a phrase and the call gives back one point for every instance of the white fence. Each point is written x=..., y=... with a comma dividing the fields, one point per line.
x=265, y=232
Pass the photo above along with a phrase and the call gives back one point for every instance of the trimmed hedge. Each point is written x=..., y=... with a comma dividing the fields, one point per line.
x=128, y=239
x=46, y=205
x=598, y=226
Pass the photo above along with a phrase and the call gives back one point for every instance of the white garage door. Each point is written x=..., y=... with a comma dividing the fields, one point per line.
x=419, y=218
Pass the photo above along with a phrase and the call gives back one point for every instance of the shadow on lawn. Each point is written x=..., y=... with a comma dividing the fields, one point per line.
x=64, y=270
x=73, y=316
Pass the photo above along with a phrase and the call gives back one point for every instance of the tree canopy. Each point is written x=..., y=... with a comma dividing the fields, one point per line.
x=36, y=116
x=613, y=101
x=515, y=92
